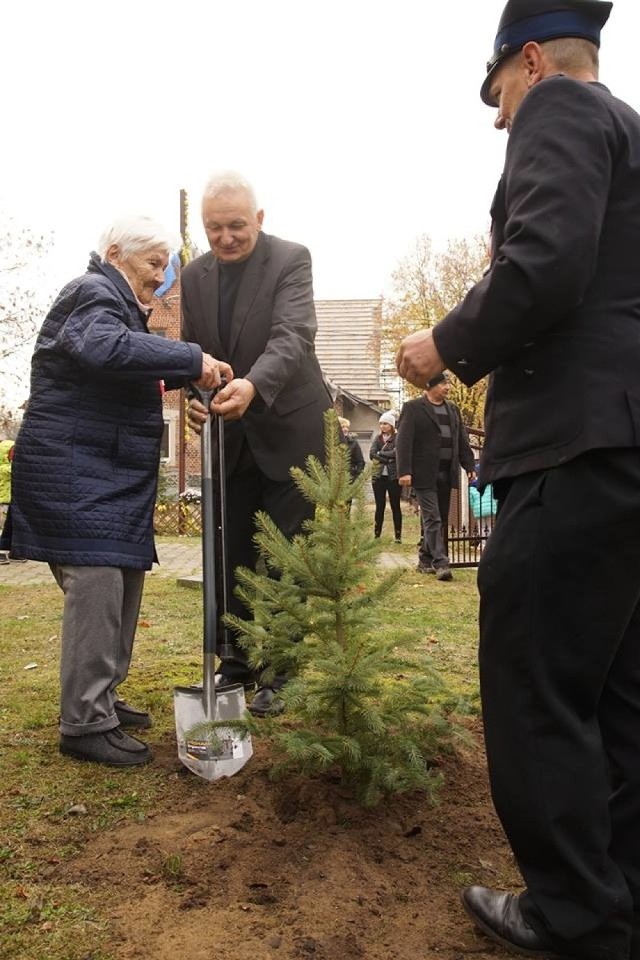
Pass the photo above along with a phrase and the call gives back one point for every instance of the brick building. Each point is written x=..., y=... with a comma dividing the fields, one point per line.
x=165, y=322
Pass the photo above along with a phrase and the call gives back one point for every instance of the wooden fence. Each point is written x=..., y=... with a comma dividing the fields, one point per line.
x=178, y=519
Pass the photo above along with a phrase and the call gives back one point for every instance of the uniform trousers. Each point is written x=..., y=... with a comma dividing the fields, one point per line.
x=101, y=607
x=559, y=583
x=249, y=490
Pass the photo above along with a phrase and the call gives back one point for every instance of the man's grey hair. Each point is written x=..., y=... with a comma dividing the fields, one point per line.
x=228, y=181
x=573, y=54
x=136, y=234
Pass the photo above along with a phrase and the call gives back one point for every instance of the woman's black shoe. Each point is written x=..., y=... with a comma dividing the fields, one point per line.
x=113, y=747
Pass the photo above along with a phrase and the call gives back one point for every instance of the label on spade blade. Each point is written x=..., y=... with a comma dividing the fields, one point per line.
x=215, y=746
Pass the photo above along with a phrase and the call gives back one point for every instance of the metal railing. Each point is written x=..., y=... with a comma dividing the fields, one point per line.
x=471, y=516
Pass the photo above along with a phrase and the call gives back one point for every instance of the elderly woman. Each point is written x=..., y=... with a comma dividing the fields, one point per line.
x=85, y=474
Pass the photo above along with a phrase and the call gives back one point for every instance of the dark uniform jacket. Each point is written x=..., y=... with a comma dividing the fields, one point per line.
x=271, y=343
x=418, y=444
x=557, y=317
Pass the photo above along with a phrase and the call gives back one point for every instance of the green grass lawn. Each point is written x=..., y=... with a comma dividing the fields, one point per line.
x=40, y=920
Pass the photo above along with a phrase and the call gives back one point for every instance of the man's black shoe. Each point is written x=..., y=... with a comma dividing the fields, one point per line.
x=266, y=703
x=113, y=747
x=130, y=717
x=424, y=567
x=498, y=914
x=222, y=681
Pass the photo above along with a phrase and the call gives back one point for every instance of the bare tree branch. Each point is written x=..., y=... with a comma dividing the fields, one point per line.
x=21, y=306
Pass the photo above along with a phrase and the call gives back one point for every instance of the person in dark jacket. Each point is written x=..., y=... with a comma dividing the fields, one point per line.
x=85, y=474
x=556, y=320
x=356, y=459
x=431, y=446
x=385, y=476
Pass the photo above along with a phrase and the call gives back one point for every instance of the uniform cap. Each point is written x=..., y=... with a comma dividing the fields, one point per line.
x=540, y=20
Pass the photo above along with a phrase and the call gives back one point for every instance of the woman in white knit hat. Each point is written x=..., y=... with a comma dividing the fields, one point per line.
x=385, y=478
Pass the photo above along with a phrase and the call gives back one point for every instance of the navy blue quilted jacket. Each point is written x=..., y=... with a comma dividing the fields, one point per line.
x=86, y=459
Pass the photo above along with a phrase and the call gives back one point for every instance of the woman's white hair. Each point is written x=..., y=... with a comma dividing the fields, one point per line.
x=135, y=234
x=228, y=181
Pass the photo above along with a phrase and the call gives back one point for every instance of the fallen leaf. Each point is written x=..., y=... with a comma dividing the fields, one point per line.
x=143, y=623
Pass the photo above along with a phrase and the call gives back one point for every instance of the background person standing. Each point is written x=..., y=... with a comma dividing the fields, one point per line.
x=385, y=476
x=432, y=445
x=356, y=459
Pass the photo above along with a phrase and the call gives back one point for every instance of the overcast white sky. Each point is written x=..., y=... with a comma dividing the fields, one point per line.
x=359, y=121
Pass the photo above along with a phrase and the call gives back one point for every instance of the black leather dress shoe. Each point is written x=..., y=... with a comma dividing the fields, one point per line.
x=266, y=703
x=499, y=915
x=222, y=680
x=130, y=717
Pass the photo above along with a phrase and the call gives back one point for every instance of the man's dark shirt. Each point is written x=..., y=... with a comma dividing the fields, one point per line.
x=230, y=279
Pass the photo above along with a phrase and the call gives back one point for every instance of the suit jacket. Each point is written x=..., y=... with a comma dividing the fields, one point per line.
x=271, y=343
x=418, y=444
x=557, y=316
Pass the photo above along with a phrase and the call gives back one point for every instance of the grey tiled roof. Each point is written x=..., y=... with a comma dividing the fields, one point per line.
x=347, y=345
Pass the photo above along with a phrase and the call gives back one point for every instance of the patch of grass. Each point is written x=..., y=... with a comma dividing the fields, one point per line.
x=173, y=867
x=45, y=922
x=445, y=613
x=463, y=878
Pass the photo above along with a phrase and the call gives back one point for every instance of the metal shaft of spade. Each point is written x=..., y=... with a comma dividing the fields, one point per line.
x=209, y=601
x=225, y=647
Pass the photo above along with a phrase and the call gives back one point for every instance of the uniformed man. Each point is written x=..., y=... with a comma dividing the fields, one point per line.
x=556, y=321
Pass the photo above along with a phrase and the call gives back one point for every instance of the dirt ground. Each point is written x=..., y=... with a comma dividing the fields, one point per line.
x=245, y=869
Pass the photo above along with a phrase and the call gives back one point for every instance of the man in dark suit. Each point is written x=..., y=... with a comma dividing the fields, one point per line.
x=557, y=322
x=251, y=299
x=431, y=446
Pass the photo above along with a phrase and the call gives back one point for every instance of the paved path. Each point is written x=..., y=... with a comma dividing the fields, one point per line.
x=181, y=560
x=176, y=560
